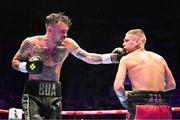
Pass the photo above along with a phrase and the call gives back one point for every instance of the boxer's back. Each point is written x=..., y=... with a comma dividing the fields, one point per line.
x=145, y=70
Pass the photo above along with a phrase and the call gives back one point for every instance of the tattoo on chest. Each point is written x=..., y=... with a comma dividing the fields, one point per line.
x=58, y=53
x=43, y=52
x=55, y=55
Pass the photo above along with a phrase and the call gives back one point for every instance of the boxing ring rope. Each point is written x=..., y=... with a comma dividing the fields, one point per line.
x=94, y=112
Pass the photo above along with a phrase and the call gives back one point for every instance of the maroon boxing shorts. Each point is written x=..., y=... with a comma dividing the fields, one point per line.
x=153, y=112
x=149, y=105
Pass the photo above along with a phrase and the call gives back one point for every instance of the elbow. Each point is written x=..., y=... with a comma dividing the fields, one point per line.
x=14, y=65
x=174, y=85
x=91, y=61
x=118, y=87
x=88, y=61
x=170, y=86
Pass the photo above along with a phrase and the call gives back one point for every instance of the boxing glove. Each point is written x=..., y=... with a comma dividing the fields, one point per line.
x=113, y=57
x=117, y=54
x=33, y=66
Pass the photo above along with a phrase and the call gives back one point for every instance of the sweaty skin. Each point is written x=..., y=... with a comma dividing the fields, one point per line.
x=146, y=70
x=42, y=97
x=53, y=57
x=53, y=48
x=149, y=76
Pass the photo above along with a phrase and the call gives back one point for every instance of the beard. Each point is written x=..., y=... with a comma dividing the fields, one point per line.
x=60, y=40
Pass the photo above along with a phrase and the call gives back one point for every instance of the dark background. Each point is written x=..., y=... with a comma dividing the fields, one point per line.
x=98, y=26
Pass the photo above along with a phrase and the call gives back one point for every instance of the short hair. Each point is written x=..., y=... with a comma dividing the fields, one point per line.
x=54, y=18
x=138, y=32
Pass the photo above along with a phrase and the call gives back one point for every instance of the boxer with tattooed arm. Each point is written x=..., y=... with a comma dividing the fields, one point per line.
x=42, y=57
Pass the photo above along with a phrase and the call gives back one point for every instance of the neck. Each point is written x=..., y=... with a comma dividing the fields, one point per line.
x=140, y=49
x=49, y=41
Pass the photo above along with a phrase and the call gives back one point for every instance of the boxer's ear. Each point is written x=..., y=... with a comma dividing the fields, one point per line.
x=137, y=42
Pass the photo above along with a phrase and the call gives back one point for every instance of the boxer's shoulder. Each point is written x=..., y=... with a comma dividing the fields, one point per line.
x=70, y=43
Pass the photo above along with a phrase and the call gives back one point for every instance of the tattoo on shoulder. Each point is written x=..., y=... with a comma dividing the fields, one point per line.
x=25, y=45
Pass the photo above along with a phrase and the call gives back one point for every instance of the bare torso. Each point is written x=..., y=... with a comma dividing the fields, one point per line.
x=53, y=58
x=145, y=70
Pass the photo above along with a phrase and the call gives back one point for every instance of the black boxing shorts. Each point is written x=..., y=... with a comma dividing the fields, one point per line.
x=149, y=105
x=42, y=100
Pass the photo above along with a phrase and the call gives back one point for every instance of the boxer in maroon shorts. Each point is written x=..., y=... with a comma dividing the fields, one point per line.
x=150, y=78
x=149, y=104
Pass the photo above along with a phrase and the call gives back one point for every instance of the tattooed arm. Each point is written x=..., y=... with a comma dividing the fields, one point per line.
x=21, y=55
x=91, y=58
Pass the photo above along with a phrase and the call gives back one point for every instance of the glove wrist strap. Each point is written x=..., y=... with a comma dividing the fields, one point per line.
x=22, y=67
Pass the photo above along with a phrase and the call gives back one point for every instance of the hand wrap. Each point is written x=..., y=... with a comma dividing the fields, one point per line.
x=123, y=98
